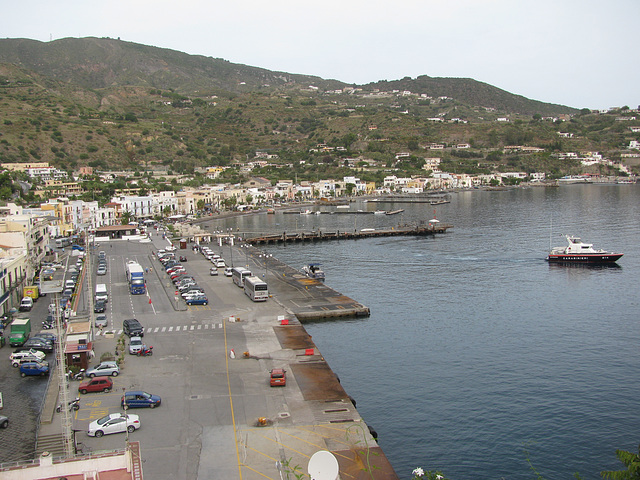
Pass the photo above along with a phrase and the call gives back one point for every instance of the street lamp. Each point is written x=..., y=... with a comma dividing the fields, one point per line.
x=265, y=256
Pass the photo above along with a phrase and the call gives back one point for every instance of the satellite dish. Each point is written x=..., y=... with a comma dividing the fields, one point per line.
x=323, y=466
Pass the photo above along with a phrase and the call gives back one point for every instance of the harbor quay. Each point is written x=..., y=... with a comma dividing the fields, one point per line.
x=211, y=365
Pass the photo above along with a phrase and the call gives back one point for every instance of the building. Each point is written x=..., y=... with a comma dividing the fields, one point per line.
x=25, y=235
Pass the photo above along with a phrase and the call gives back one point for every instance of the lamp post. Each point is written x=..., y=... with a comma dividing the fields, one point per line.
x=230, y=239
x=265, y=256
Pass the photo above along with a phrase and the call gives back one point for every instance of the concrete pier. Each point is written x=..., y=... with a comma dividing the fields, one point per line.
x=320, y=236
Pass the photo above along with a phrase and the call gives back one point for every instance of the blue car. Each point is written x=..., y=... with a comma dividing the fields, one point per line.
x=34, y=368
x=197, y=301
x=140, y=399
x=77, y=247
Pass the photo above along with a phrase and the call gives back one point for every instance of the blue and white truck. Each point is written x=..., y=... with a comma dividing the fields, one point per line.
x=135, y=277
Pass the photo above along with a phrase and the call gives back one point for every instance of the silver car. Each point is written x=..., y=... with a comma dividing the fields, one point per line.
x=103, y=370
x=135, y=345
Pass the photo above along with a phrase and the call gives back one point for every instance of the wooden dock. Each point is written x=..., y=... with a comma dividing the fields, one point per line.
x=320, y=236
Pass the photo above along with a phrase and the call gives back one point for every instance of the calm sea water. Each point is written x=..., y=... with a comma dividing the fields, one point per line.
x=478, y=355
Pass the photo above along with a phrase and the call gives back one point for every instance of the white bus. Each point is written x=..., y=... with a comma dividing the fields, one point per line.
x=239, y=274
x=256, y=289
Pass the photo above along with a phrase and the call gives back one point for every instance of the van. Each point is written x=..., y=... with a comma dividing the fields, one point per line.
x=26, y=304
x=101, y=292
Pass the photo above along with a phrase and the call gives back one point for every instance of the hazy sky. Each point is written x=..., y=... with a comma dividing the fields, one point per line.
x=579, y=53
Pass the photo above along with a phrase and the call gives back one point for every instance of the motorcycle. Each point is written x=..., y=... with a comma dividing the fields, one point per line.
x=76, y=376
x=73, y=405
x=47, y=326
x=145, y=351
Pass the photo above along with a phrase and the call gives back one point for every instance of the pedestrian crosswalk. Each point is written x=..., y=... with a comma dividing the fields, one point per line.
x=171, y=329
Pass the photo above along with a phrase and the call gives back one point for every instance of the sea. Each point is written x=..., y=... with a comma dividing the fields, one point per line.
x=481, y=360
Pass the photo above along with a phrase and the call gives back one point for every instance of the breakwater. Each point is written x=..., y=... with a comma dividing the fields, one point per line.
x=320, y=236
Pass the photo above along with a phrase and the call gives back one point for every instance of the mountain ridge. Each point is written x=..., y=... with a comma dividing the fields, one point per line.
x=97, y=63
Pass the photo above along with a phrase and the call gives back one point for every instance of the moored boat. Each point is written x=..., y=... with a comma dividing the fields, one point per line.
x=579, y=252
x=313, y=270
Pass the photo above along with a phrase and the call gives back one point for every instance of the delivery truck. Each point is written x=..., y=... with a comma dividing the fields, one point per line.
x=20, y=331
x=31, y=291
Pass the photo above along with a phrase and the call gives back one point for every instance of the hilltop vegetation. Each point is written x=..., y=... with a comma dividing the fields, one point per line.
x=117, y=105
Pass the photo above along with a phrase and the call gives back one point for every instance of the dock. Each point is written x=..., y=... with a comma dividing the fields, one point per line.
x=320, y=236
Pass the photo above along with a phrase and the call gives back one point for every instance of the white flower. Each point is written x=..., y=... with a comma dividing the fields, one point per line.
x=418, y=472
x=439, y=477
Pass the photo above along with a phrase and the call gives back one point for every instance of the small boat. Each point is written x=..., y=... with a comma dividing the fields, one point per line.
x=306, y=212
x=380, y=212
x=579, y=252
x=313, y=270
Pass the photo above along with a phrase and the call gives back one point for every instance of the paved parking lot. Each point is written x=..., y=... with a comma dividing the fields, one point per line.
x=219, y=417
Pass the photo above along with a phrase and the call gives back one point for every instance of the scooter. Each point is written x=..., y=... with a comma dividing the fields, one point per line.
x=145, y=351
x=76, y=376
x=73, y=405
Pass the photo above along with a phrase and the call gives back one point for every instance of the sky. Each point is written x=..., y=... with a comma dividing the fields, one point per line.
x=578, y=53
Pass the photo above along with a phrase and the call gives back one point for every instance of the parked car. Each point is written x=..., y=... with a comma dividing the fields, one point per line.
x=228, y=272
x=183, y=258
x=29, y=359
x=4, y=421
x=26, y=304
x=70, y=284
x=47, y=336
x=135, y=345
x=103, y=369
x=26, y=352
x=100, y=306
x=220, y=263
x=34, y=369
x=132, y=327
x=39, y=344
x=139, y=399
x=202, y=300
x=96, y=384
x=170, y=248
x=113, y=423
x=213, y=271
x=77, y=247
x=101, y=321
x=192, y=291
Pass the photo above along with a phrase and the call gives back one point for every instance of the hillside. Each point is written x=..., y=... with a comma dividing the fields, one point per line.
x=96, y=63
x=111, y=104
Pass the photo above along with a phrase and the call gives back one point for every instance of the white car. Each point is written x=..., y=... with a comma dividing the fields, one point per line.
x=135, y=345
x=36, y=355
x=113, y=423
x=228, y=272
x=170, y=248
x=219, y=263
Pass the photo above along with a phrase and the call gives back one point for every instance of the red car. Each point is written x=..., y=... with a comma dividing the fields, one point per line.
x=96, y=384
x=278, y=377
x=183, y=258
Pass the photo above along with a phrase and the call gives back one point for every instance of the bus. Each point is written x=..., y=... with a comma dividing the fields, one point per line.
x=63, y=242
x=239, y=274
x=256, y=289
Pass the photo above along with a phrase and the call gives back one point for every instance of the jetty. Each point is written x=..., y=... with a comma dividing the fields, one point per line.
x=320, y=236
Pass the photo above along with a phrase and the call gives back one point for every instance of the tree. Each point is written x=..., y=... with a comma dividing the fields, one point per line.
x=126, y=217
x=631, y=461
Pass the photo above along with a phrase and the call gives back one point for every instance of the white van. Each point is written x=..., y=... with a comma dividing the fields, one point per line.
x=101, y=292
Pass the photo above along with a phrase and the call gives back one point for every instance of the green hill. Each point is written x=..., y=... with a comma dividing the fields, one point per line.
x=113, y=104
